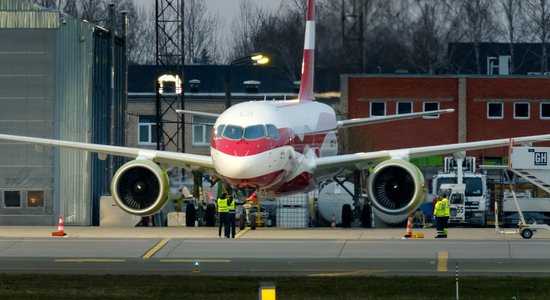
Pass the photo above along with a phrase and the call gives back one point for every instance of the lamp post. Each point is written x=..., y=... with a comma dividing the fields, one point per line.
x=253, y=59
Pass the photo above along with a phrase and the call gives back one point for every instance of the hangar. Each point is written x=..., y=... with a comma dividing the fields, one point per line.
x=54, y=83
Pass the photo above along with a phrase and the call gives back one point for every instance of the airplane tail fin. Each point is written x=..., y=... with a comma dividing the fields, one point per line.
x=306, y=84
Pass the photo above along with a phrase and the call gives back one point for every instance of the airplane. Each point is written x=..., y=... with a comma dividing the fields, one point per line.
x=279, y=147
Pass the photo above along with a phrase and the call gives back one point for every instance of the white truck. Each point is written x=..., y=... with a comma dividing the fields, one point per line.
x=469, y=186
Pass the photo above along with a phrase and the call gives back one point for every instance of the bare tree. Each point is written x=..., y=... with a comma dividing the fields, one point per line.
x=478, y=24
x=201, y=33
x=245, y=28
x=538, y=22
x=512, y=11
x=430, y=34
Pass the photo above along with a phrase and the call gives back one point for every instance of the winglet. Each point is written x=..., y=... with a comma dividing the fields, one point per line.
x=306, y=84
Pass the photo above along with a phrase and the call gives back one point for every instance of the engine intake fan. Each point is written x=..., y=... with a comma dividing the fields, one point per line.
x=140, y=187
x=396, y=189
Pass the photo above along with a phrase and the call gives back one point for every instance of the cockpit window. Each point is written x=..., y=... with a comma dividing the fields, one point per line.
x=233, y=132
x=254, y=132
x=218, y=132
x=272, y=132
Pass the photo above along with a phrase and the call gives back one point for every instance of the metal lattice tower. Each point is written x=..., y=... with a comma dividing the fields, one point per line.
x=169, y=61
x=353, y=12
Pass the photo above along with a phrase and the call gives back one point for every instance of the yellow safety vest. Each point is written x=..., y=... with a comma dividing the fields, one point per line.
x=231, y=207
x=447, y=207
x=440, y=207
x=222, y=205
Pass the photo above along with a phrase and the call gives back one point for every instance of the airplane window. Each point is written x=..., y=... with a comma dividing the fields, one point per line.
x=233, y=132
x=254, y=132
x=219, y=131
x=272, y=132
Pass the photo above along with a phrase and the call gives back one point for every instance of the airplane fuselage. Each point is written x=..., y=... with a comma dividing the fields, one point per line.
x=271, y=145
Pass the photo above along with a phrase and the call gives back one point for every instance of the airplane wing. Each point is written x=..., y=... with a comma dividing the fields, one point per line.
x=197, y=113
x=364, y=160
x=184, y=160
x=381, y=119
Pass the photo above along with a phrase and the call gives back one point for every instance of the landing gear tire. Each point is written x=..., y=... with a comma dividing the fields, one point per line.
x=526, y=233
x=210, y=215
x=346, y=216
x=190, y=215
x=242, y=222
x=253, y=224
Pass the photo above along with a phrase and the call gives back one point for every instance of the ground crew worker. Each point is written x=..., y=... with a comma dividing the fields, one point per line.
x=447, y=215
x=439, y=212
x=222, y=213
x=231, y=218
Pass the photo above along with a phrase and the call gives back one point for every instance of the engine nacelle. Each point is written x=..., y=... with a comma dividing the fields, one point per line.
x=396, y=190
x=140, y=187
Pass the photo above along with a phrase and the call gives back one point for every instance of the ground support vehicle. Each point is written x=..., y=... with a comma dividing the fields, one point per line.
x=471, y=200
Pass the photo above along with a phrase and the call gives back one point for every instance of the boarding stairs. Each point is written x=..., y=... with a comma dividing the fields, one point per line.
x=531, y=164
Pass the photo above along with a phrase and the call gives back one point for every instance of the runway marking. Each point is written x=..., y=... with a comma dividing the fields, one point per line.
x=352, y=273
x=195, y=260
x=442, y=259
x=242, y=232
x=155, y=249
x=90, y=260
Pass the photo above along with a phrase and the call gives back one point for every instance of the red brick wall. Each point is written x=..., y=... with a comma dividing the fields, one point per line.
x=405, y=133
x=425, y=132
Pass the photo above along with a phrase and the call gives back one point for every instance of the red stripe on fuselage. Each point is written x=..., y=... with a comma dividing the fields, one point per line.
x=244, y=147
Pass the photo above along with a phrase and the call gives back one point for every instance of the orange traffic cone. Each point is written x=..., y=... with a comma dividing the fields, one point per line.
x=408, y=232
x=60, y=231
x=333, y=222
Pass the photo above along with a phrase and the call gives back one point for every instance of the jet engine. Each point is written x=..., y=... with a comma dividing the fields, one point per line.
x=140, y=187
x=396, y=190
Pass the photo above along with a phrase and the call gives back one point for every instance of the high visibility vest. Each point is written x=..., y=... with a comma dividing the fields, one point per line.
x=440, y=207
x=231, y=207
x=447, y=212
x=222, y=205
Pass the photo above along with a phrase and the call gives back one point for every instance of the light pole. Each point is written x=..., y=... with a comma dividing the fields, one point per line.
x=253, y=59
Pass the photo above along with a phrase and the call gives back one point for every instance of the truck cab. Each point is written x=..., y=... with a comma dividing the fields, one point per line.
x=456, y=193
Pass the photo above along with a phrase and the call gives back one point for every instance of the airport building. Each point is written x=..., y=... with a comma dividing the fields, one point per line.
x=54, y=83
x=486, y=107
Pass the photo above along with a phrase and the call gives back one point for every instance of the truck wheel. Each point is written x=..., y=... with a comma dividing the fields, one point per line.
x=242, y=222
x=346, y=216
x=190, y=215
x=526, y=233
x=210, y=215
x=253, y=224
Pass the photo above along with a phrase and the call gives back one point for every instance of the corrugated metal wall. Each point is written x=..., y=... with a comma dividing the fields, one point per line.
x=73, y=107
x=62, y=92
x=26, y=100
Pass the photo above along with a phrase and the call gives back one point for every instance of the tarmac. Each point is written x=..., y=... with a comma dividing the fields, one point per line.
x=329, y=233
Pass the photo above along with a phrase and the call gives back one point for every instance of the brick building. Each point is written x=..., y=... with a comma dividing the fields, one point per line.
x=485, y=108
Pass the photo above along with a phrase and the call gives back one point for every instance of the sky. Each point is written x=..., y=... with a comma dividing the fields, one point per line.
x=227, y=9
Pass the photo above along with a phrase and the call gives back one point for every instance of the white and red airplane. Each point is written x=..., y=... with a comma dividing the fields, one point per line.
x=279, y=147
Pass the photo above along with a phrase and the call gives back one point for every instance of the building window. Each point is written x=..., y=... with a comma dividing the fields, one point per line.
x=377, y=108
x=545, y=110
x=147, y=134
x=404, y=108
x=495, y=110
x=429, y=106
x=202, y=129
x=35, y=199
x=521, y=110
x=12, y=199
